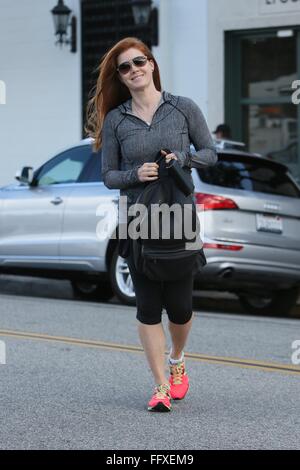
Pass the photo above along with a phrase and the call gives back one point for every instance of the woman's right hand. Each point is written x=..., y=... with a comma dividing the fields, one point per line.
x=148, y=172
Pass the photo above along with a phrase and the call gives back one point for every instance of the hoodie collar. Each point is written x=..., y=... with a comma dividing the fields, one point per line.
x=126, y=107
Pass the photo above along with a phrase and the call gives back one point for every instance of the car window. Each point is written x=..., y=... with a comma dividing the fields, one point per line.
x=92, y=171
x=251, y=174
x=65, y=167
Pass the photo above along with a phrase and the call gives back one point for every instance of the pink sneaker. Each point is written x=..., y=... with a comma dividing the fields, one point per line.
x=160, y=400
x=179, y=381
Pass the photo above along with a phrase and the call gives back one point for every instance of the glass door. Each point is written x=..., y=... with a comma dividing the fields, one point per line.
x=262, y=114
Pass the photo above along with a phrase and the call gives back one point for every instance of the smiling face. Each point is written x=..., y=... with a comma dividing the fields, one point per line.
x=137, y=78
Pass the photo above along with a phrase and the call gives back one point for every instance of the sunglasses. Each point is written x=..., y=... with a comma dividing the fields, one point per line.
x=125, y=67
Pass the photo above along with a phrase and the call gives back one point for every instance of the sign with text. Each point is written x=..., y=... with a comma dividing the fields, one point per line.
x=279, y=6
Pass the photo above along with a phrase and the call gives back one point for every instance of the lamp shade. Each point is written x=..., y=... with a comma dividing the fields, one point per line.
x=61, y=15
x=141, y=10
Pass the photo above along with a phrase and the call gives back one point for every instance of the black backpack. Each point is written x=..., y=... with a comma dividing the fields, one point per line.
x=158, y=257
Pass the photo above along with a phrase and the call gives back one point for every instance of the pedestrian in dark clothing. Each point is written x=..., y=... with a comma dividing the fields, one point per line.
x=222, y=131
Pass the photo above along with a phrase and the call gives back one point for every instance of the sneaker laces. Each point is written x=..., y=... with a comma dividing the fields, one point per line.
x=162, y=391
x=177, y=372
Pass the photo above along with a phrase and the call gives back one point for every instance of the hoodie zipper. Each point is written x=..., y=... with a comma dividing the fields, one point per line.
x=130, y=113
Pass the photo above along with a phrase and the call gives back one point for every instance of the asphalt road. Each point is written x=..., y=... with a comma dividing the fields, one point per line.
x=76, y=378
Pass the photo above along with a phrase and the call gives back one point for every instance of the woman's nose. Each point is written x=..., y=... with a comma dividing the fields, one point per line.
x=134, y=68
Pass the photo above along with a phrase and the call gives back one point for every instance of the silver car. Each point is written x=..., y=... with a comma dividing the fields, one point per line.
x=51, y=225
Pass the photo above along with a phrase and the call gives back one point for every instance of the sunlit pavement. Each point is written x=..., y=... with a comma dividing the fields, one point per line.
x=76, y=377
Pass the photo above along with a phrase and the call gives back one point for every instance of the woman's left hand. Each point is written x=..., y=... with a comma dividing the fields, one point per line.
x=169, y=157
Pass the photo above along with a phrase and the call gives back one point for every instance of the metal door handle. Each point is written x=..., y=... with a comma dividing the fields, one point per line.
x=57, y=200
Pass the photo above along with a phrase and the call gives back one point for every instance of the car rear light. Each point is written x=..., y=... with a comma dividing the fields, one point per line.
x=214, y=202
x=219, y=246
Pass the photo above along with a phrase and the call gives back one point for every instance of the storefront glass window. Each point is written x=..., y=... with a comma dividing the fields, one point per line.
x=268, y=66
x=272, y=130
x=261, y=66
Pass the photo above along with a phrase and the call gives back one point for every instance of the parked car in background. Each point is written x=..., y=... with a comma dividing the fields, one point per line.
x=49, y=227
x=252, y=222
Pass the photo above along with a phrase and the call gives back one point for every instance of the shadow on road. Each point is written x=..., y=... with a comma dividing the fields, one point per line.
x=61, y=289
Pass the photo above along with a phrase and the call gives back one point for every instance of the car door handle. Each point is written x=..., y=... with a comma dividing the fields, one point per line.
x=57, y=200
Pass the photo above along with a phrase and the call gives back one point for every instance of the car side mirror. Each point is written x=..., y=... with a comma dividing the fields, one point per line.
x=25, y=175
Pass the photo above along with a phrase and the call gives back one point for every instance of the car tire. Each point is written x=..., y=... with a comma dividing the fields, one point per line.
x=279, y=303
x=88, y=290
x=121, y=280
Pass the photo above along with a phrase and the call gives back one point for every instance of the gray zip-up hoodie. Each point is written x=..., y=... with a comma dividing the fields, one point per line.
x=128, y=141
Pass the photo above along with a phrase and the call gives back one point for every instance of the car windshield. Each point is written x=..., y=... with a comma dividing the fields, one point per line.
x=250, y=174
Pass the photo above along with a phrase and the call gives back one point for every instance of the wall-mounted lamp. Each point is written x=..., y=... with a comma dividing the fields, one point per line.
x=143, y=12
x=61, y=17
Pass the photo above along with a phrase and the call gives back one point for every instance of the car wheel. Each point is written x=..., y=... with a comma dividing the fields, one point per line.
x=89, y=290
x=120, y=279
x=279, y=303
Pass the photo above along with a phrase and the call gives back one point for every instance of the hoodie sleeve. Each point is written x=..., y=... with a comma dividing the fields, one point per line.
x=205, y=154
x=113, y=177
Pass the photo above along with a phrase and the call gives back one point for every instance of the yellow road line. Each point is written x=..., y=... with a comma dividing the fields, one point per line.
x=229, y=361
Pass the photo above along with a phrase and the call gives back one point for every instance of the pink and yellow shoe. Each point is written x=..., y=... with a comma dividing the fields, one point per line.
x=161, y=399
x=179, y=381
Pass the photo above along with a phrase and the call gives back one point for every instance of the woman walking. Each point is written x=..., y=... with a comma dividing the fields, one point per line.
x=132, y=119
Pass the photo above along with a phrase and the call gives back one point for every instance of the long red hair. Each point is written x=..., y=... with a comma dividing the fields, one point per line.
x=110, y=92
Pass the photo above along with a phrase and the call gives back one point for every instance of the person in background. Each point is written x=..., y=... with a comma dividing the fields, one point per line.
x=222, y=131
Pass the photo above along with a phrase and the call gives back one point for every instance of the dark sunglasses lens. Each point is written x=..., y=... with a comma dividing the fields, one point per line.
x=139, y=61
x=124, y=68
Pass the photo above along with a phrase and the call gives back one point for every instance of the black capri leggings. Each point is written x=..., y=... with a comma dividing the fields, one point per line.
x=153, y=296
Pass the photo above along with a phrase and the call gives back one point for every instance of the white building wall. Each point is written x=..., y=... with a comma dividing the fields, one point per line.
x=42, y=113
x=182, y=50
x=229, y=15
